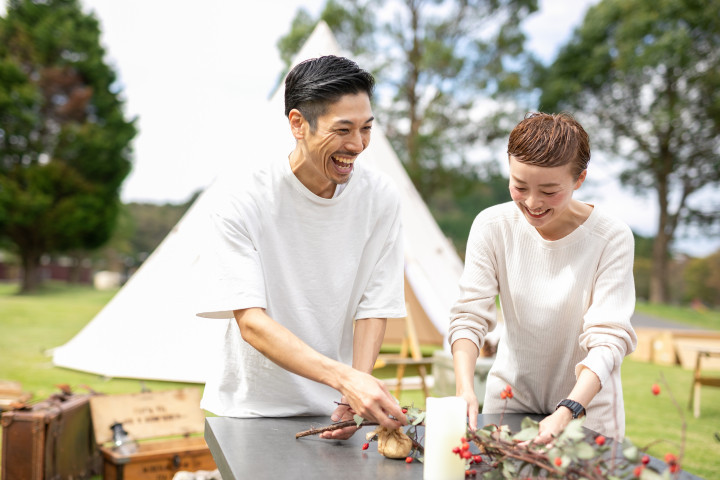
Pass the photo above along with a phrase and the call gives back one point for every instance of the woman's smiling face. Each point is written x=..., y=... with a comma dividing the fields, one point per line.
x=543, y=194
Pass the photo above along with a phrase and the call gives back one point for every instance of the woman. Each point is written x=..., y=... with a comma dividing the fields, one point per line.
x=563, y=271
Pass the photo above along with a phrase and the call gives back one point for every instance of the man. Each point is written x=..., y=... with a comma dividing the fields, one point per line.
x=310, y=265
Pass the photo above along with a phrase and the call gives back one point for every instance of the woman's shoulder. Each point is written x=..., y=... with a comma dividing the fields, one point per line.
x=609, y=227
x=503, y=213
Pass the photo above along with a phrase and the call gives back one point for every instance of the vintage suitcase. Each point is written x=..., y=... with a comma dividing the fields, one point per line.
x=174, y=415
x=50, y=440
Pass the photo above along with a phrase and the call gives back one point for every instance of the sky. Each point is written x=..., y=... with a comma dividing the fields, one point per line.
x=194, y=73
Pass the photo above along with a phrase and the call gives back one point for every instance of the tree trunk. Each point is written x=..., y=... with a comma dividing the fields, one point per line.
x=659, y=268
x=31, y=274
x=75, y=268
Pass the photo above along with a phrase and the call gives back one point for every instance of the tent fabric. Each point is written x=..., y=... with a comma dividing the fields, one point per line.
x=149, y=329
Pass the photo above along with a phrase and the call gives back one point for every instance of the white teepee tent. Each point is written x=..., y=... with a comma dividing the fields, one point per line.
x=149, y=330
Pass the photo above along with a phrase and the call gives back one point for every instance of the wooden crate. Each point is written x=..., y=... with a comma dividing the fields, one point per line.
x=168, y=427
x=12, y=393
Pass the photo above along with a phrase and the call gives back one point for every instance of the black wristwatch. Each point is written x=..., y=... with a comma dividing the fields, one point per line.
x=575, y=407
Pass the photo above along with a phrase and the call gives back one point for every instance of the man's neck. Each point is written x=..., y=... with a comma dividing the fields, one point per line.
x=305, y=172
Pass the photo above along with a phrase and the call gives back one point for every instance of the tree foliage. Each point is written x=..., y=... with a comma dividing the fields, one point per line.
x=64, y=141
x=702, y=280
x=644, y=77
x=437, y=64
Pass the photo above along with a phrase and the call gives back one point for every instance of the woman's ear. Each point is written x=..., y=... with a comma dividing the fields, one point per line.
x=580, y=179
x=297, y=123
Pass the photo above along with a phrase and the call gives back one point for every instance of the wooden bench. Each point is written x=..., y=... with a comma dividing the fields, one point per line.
x=699, y=379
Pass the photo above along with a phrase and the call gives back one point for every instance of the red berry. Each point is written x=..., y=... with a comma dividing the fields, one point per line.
x=463, y=440
x=670, y=458
x=558, y=461
x=638, y=471
x=600, y=440
x=477, y=459
x=456, y=450
x=656, y=389
x=408, y=460
x=674, y=468
x=365, y=446
x=466, y=455
x=465, y=446
x=645, y=460
x=470, y=473
x=503, y=394
x=404, y=410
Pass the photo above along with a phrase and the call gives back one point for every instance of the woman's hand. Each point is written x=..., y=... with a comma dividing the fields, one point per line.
x=472, y=407
x=553, y=425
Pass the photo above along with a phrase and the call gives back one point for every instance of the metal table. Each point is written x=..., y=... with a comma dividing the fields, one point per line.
x=266, y=448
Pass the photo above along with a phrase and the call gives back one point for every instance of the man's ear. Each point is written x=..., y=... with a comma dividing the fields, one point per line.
x=298, y=123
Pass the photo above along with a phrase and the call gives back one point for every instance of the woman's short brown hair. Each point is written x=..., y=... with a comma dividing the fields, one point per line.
x=549, y=140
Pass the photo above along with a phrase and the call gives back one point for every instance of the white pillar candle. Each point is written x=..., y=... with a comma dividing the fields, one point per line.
x=445, y=425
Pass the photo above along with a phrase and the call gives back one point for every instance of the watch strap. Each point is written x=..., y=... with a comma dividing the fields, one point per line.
x=575, y=407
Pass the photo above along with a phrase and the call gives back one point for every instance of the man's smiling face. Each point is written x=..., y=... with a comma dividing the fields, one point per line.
x=341, y=134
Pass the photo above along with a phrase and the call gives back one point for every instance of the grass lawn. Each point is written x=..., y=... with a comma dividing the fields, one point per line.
x=707, y=319
x=30, y=325
x=650, y=418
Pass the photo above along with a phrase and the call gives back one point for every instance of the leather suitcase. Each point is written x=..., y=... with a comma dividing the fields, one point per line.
x=51, y=440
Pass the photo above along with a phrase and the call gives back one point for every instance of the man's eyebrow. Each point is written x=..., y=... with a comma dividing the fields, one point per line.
x=350, y=122
x=541, y=185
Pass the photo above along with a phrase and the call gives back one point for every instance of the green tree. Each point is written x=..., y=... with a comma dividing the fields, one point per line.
x=644, y=77
x=435, y=62
x=64, y=141
x=702, y=280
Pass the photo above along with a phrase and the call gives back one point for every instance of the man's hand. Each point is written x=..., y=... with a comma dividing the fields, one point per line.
x=342, y=413
x=369, y=398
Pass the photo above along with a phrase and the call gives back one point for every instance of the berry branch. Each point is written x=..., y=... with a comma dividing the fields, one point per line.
x=335, y=426
x=574, y=454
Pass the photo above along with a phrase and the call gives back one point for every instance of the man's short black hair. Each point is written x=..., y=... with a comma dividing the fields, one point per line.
x=316, y=83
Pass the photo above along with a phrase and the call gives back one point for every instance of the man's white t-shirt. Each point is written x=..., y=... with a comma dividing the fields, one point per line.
x=315, y=265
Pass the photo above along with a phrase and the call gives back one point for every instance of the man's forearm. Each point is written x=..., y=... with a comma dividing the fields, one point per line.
x=285, y=349
x=367, y=340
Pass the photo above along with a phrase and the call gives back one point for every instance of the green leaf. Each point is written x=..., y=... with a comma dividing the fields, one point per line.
x=526, y=434
x=648, y=474
x=529, y=423
x=630, y=452
x=574, y=430
x=509, y=470
x=420, y=418
x=584, y=451
x=358, y=419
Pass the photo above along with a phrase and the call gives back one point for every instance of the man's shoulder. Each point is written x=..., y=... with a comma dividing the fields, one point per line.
x=240, y=188
x=375, y=182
